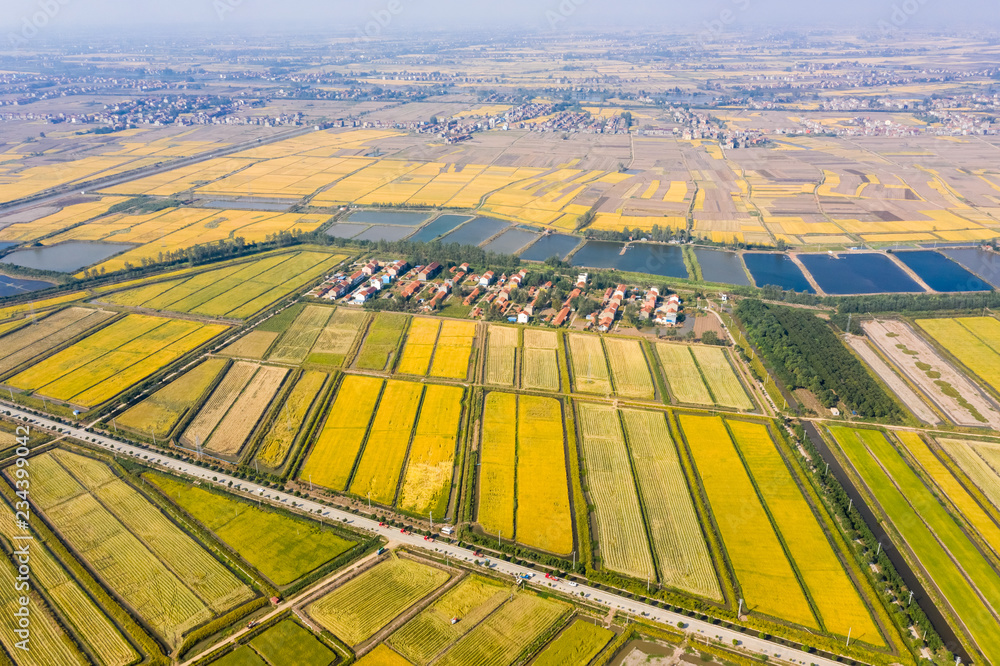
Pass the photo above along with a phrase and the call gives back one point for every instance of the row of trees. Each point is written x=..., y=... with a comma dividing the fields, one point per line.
x=806, y=353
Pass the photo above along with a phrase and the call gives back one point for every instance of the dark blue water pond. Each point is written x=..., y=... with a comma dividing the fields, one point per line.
x=4, y=246
x=555, y=245
x=510, y=241
x=476, y=231
x=439, y=227
x=777, y=270
x=12, y=286
x=984, y=264
x=865, y=273
x=649, y=258
x=65, y=257
x=346, y=230
x=722, y=267
x=380, y=217
x=941, y=273
x=385, y=233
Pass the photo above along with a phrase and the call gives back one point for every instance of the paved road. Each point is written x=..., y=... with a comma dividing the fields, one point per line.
x=621, y=605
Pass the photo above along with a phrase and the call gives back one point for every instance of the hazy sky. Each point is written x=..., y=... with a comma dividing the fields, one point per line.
x=399, y=16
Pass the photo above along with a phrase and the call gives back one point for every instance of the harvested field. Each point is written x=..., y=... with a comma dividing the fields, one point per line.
x=381, y=464
x=497, y=469
x=331, y=460
x=419, y=346
x=621, y=532
x=765, y=575
x=382, y=341
x=253, y=346
x=973, y=341
x=544, y=520
x=454, y=349
x=684, y=378
x=955, y=395
x=629, y=370
x=501, y=355
x=284, y=430
x=338, y=338
x=234, y=430
x=32, y=341
x=722, y=380
x=540, y=363
x=899, y=387
x=215, y=408
x=678, y=542
x=163, y=410
x=294, y=346
x=358, y=609
x=590, y=368
x=431, y=463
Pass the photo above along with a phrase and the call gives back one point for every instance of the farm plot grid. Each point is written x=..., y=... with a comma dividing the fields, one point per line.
x=166, y=576
x=358, y=609
x=763, y=571
x=501, y=355
x=974, y=341
x=338, y=338
x=289, y=642
x=962, y=574
x=699, y=375
x=960, y=400
x=900, y=388
x=419, y=347
x=382, y=341
x=283, y=431
x=577, y=645
x=629, y=370
x=161, y=412
x=453, y=350
x=280, y=546
x=237, y=291
x=298, y=340
x=111, y=360
x=39, y=338
x=590, y=367
x=100, y=635
x=540, y=361
x=253, y=346
x=383, y=438
x=523, y=484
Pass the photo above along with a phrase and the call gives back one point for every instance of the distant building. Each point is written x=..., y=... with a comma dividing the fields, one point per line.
x=487, y=279
x=429, y=272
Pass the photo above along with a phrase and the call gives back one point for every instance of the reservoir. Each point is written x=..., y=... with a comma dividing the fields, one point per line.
x=346, y=230
x=65, y=257
x=862, y=273
x=510, y=241
x=476, y=231
x=721, y=266
x=12, y=286
x=381, y=232
x=777, y=270
x=941, y=273
x=982, y=263
x=554, y=245
x=385, y=217
x=438, y=228
x=650, y=258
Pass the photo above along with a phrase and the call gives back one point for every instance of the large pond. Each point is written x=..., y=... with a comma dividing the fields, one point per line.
x=346, y=230
x=554, y=245
x=982, y=263
x=384, y=233
x=12, y=286
x=385, y=217
x=438, y=228
x=510, y=241
x=476, y=231
x=721, y=266
x=862, y=273
x=777, y=270
x=650, y=258
x=941, y=273
x=65, y=257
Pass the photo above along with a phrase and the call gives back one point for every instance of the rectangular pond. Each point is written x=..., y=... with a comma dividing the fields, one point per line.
x=553, y=245
x=381, y=232
x=389, y=217
x=862, y=273
x=510, y=241
x=439, y=227
x=476, y=231
x=721, y=266
x=984, y=264
x=12, y=286
x=247, y=205
x=66, y=257
x=649, y=258
x=346, y=230
x=770, y=269
x=941, y=273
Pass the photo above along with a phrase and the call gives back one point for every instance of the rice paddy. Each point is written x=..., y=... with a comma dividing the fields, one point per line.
x=161, y=412
x=284, y=430
x=540, y=364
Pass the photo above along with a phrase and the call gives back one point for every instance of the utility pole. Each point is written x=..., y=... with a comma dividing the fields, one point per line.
x=740, y=612
x=310, y=483
x=851, y=506
x=369, y=500
x=432, y=521
x=911, y=598
x=499, y=534
x=849, y=631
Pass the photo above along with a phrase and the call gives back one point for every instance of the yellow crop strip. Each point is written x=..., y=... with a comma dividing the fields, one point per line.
x=419, y=346
x=590, y=367
x=381, y=463
x=840, y=606
x=160, y=412
x=765, y=577
x=431, y=462
x=683, y=376
x=543, y=512
x=332, y=457
x=454, y=348
x=283, y=431
x=966, y=347
x=497, y=454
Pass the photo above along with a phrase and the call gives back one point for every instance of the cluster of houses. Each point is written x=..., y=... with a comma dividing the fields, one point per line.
x=665, y=314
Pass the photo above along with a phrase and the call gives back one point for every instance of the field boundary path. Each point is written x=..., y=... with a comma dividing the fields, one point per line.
x=619, y=604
